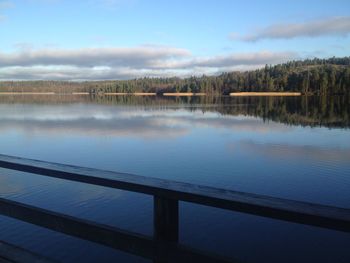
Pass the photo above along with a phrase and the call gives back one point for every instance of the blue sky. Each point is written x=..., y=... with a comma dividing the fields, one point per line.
x=118, y=39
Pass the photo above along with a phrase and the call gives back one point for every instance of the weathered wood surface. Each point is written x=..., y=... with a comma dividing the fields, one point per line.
x=113, y=237
x=13, y=254
x=266, y=206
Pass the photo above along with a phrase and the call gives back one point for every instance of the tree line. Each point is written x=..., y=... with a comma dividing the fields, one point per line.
x=310, y=76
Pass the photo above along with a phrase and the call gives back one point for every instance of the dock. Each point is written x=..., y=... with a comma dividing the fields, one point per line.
x=164, y=245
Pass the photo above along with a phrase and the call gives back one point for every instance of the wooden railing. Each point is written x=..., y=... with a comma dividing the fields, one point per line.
x=164, y=245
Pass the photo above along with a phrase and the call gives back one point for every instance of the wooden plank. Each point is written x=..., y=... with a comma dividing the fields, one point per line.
x=10, y=253
x=288, y=210
x=166, y=219
x=113, y=237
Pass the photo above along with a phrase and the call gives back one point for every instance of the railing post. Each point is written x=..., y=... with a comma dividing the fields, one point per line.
x=166, y=219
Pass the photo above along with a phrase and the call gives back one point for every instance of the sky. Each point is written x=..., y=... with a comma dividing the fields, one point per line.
x=124, y=39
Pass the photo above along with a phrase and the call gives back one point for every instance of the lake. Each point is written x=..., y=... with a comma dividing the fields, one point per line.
x=289, y=147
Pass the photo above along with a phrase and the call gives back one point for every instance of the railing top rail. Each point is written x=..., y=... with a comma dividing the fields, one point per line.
x=288, y=210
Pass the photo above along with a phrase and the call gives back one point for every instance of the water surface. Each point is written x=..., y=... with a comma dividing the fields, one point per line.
x=297, y=148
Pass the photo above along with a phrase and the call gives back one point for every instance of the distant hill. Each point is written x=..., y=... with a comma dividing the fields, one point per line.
x=310, y=76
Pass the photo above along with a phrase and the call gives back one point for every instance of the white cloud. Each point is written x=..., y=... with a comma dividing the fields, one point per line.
x=6, y=4
x=44, y=1
x=334, y=26
x=91, y=57
x=124, y=63
x=80, y=73
x=3, y=6
x=113, y=3
x=246, y=59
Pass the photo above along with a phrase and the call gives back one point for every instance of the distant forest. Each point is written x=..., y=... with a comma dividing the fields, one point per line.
x=310, y=76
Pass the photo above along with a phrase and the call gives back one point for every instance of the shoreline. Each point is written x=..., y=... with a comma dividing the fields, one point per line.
x=167, y=94
x=128, y=94
x=237, y=94
x=178, y=94
x=28, y=93
x=106, y=94
x=79, y=93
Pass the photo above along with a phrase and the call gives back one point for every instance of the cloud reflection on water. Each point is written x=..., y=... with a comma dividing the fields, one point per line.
x=97, y=120
x=289, y=151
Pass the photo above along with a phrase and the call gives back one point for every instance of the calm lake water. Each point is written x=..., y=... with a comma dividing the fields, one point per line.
x=297, y=148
